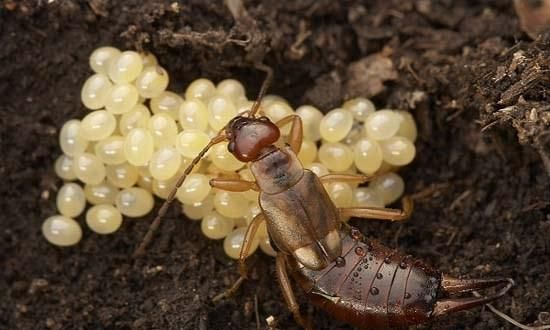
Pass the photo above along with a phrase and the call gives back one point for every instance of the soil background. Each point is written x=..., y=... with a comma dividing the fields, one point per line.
x=467, y=72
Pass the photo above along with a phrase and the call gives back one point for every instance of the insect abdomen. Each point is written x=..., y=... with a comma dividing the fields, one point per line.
x=375, y=288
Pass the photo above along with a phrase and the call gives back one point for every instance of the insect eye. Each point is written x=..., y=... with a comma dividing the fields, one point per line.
x=263, y=118
x=231, y=146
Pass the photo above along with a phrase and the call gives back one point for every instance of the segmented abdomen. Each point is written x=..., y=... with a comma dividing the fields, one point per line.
x=372, y=286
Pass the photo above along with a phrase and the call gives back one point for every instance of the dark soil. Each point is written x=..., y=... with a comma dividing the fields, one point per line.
x=454, y=64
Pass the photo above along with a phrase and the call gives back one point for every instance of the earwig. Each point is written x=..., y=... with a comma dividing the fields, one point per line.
x=355, y=279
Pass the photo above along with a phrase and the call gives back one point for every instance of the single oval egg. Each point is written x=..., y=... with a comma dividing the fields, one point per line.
x=88, y=168
x=61, y=230
x=152, y=81
x=64, y=168
x=190, y=143
x=121, y=98
x=138, y=117
x=216, y=226
x=390, y=186
x=230, y=204
x=111, y=150
x=382, y=124
x=311, y=122
x=71, y=200
x=165, y=163
x=360, y=107
x=102, y=193
x=193, y=114
x=138, y=147
x=125, y=67
x=167, y=102
x=103, y=219
x=336, y=124
x=194, y=189
x=198, y=210
x=95, y=91
x=336, y=156
x=163, y=128
x=70, y=140
x=134, y=202
x=97, y=125
x=101, y=58
x=367, y=155
x=221, y=110
x=398, y=150
x=233, y=243
x=122, y=175
x=201, y=89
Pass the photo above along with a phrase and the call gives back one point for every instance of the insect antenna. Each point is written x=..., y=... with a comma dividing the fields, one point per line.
x=171, y=196
x=217, y=139
x=265, y=85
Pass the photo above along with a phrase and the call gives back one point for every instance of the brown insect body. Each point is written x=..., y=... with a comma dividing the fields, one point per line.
x=308, y=231
x=357, y=280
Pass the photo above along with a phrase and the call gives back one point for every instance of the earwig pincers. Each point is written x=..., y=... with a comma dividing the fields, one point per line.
x=355, y=279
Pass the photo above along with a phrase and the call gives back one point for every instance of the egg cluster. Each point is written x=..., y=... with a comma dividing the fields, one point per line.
x=138, y=138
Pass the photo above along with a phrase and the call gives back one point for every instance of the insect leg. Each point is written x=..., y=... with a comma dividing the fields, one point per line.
x=248, y=240
x=235, y=185
x=296, y=131
x=348, y=178
x=229, y=292
x=288, y=293
x=245, y=250
x=379, y=212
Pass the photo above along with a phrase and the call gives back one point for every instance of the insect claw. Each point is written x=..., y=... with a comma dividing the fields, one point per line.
x=451, y=285
x=229, y=292
x=243, y=271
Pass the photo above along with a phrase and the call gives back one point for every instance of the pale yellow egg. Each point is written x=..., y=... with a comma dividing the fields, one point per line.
x=101, y=58
x=138, y=117
x=103, y=219
x=201, y=89
x=125, y=67
x=95, y=91
x=138, y=146
x=152, y=81
x=61, y=230
x=64, y=168
x=311, y=121
x=134, y=202
x=216, y=226
x=71, y=200
x=390, y=186
x=70, y=140
x=233, y=243
x=102, y=193
x=360, y=107
x=193, y=114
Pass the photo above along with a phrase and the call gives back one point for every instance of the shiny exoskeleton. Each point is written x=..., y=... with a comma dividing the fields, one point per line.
x=354, y=278
x=376, y=287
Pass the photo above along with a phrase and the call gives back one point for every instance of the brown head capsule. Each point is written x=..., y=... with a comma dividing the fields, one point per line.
x=248, y=137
